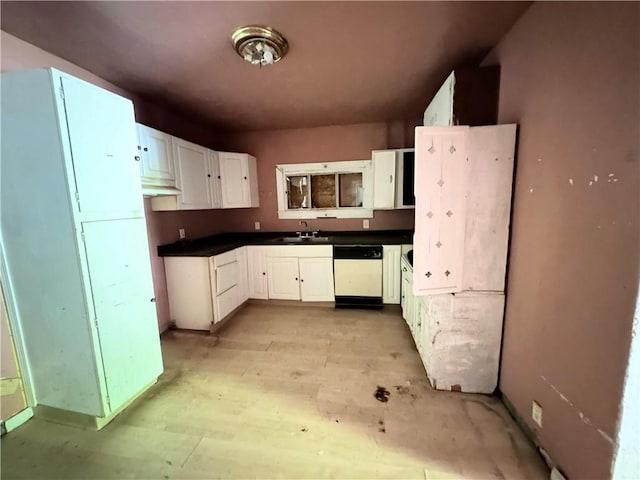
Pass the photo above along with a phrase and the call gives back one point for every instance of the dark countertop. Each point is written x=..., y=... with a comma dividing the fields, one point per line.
x=217, y=244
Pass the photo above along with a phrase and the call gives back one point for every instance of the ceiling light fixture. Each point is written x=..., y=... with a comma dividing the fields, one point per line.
x=259, y=45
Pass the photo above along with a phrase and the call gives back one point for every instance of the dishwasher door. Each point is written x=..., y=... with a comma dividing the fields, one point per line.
x=358, y=278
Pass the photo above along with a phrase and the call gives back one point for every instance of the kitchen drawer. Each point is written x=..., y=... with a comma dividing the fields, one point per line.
x=226, y=277
x=300, y=251
x=225, y=258
x=226, y=303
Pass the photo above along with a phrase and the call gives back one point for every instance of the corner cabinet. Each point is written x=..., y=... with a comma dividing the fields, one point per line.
x=203, y=291
x=70, y=194
x=391, y=283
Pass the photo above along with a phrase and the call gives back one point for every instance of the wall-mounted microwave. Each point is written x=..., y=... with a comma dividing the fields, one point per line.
x=394, y=178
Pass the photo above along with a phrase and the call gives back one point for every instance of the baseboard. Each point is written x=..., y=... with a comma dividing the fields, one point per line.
x=82, y=420
x=17, y=420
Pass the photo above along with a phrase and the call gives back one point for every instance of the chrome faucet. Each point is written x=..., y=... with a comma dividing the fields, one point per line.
x=306, y=233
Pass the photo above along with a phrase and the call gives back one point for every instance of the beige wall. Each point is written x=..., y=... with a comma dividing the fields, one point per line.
x=570, y=78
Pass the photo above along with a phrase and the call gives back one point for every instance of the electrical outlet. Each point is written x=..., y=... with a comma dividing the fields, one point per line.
x=536, y=413
x=182, y=234
x=365, y=223
x=257, y=226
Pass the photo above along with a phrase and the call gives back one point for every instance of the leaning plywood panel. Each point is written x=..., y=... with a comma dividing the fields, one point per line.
x=462, y=341
x=491, y=158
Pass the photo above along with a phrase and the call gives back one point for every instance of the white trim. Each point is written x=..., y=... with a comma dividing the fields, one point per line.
x=351, y=166
x=18, y=419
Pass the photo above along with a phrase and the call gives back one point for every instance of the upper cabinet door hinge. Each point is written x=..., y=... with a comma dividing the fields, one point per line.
x=61, y=92
x=83, y=239
x=78, y=199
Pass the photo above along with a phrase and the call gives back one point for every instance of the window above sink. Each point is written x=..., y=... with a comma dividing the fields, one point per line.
x=325, y=190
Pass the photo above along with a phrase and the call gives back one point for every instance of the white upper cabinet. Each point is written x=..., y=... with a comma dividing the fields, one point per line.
x=393, y=183
x=155, y=149
x=103, y=149
x=238, y=180
x=208, y=179
x=441, y=190
x=316, y=280
x=384, y=179
x=193, y=169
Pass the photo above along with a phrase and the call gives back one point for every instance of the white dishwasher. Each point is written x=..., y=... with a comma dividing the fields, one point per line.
x=357, y=271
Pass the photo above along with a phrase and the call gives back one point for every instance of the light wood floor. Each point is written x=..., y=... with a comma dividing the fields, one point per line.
x=287, y=392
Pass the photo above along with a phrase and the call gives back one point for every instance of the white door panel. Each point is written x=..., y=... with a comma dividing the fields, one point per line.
x=193, y=175
x=316, y=279
x=122, y=294
x=282, y=277
x=234, y=174
x=102, y=135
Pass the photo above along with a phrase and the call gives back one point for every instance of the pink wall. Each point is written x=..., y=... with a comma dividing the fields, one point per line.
x=308, y=145
x=570, y=78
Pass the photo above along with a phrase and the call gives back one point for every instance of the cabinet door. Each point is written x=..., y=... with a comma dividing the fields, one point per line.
x=156, y=152
x=282, y=277
x=243, y=277
x=102, y=134
x=257, y=272
x=122, y=298
x=215, y=184
x=384, y=179
x=234, y=174
x=316, y=279
x=441, y=191
x=192, y=175
x=391, y=273
x=226, y=303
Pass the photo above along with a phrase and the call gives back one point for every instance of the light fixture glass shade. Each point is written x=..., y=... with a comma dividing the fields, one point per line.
x=259, y=45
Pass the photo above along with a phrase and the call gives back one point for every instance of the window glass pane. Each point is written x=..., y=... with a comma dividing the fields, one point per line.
x=323, y=191
x=351, y=191
x=297, y=192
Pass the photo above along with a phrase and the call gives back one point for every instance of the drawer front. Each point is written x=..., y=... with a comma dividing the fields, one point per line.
x=226, y=303
x=300, y=251
x=226, y=277
x=224, y=258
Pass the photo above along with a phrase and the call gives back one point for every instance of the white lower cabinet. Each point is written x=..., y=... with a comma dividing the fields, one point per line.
x=243, y=275
x=282, y=275
x=297, y=272
x=316, y=279
x=204, y=290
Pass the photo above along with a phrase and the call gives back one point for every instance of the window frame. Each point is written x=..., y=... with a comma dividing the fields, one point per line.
x=327, y=168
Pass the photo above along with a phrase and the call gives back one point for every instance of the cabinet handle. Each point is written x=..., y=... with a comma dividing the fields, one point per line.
x=153, y=300
x=218, y=176
x=245, y=178
x=390, y=178
x=296, y=279
x=404, y=269
x=302, y=280
x=145, y=149
x=139, y=147
x=209, y=175
x=264, y=273
x=136, y=158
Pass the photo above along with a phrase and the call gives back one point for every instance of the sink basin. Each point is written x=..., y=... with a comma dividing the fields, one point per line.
x=304, y=239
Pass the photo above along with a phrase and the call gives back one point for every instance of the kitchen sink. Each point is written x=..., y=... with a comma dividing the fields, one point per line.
x=304, y=239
